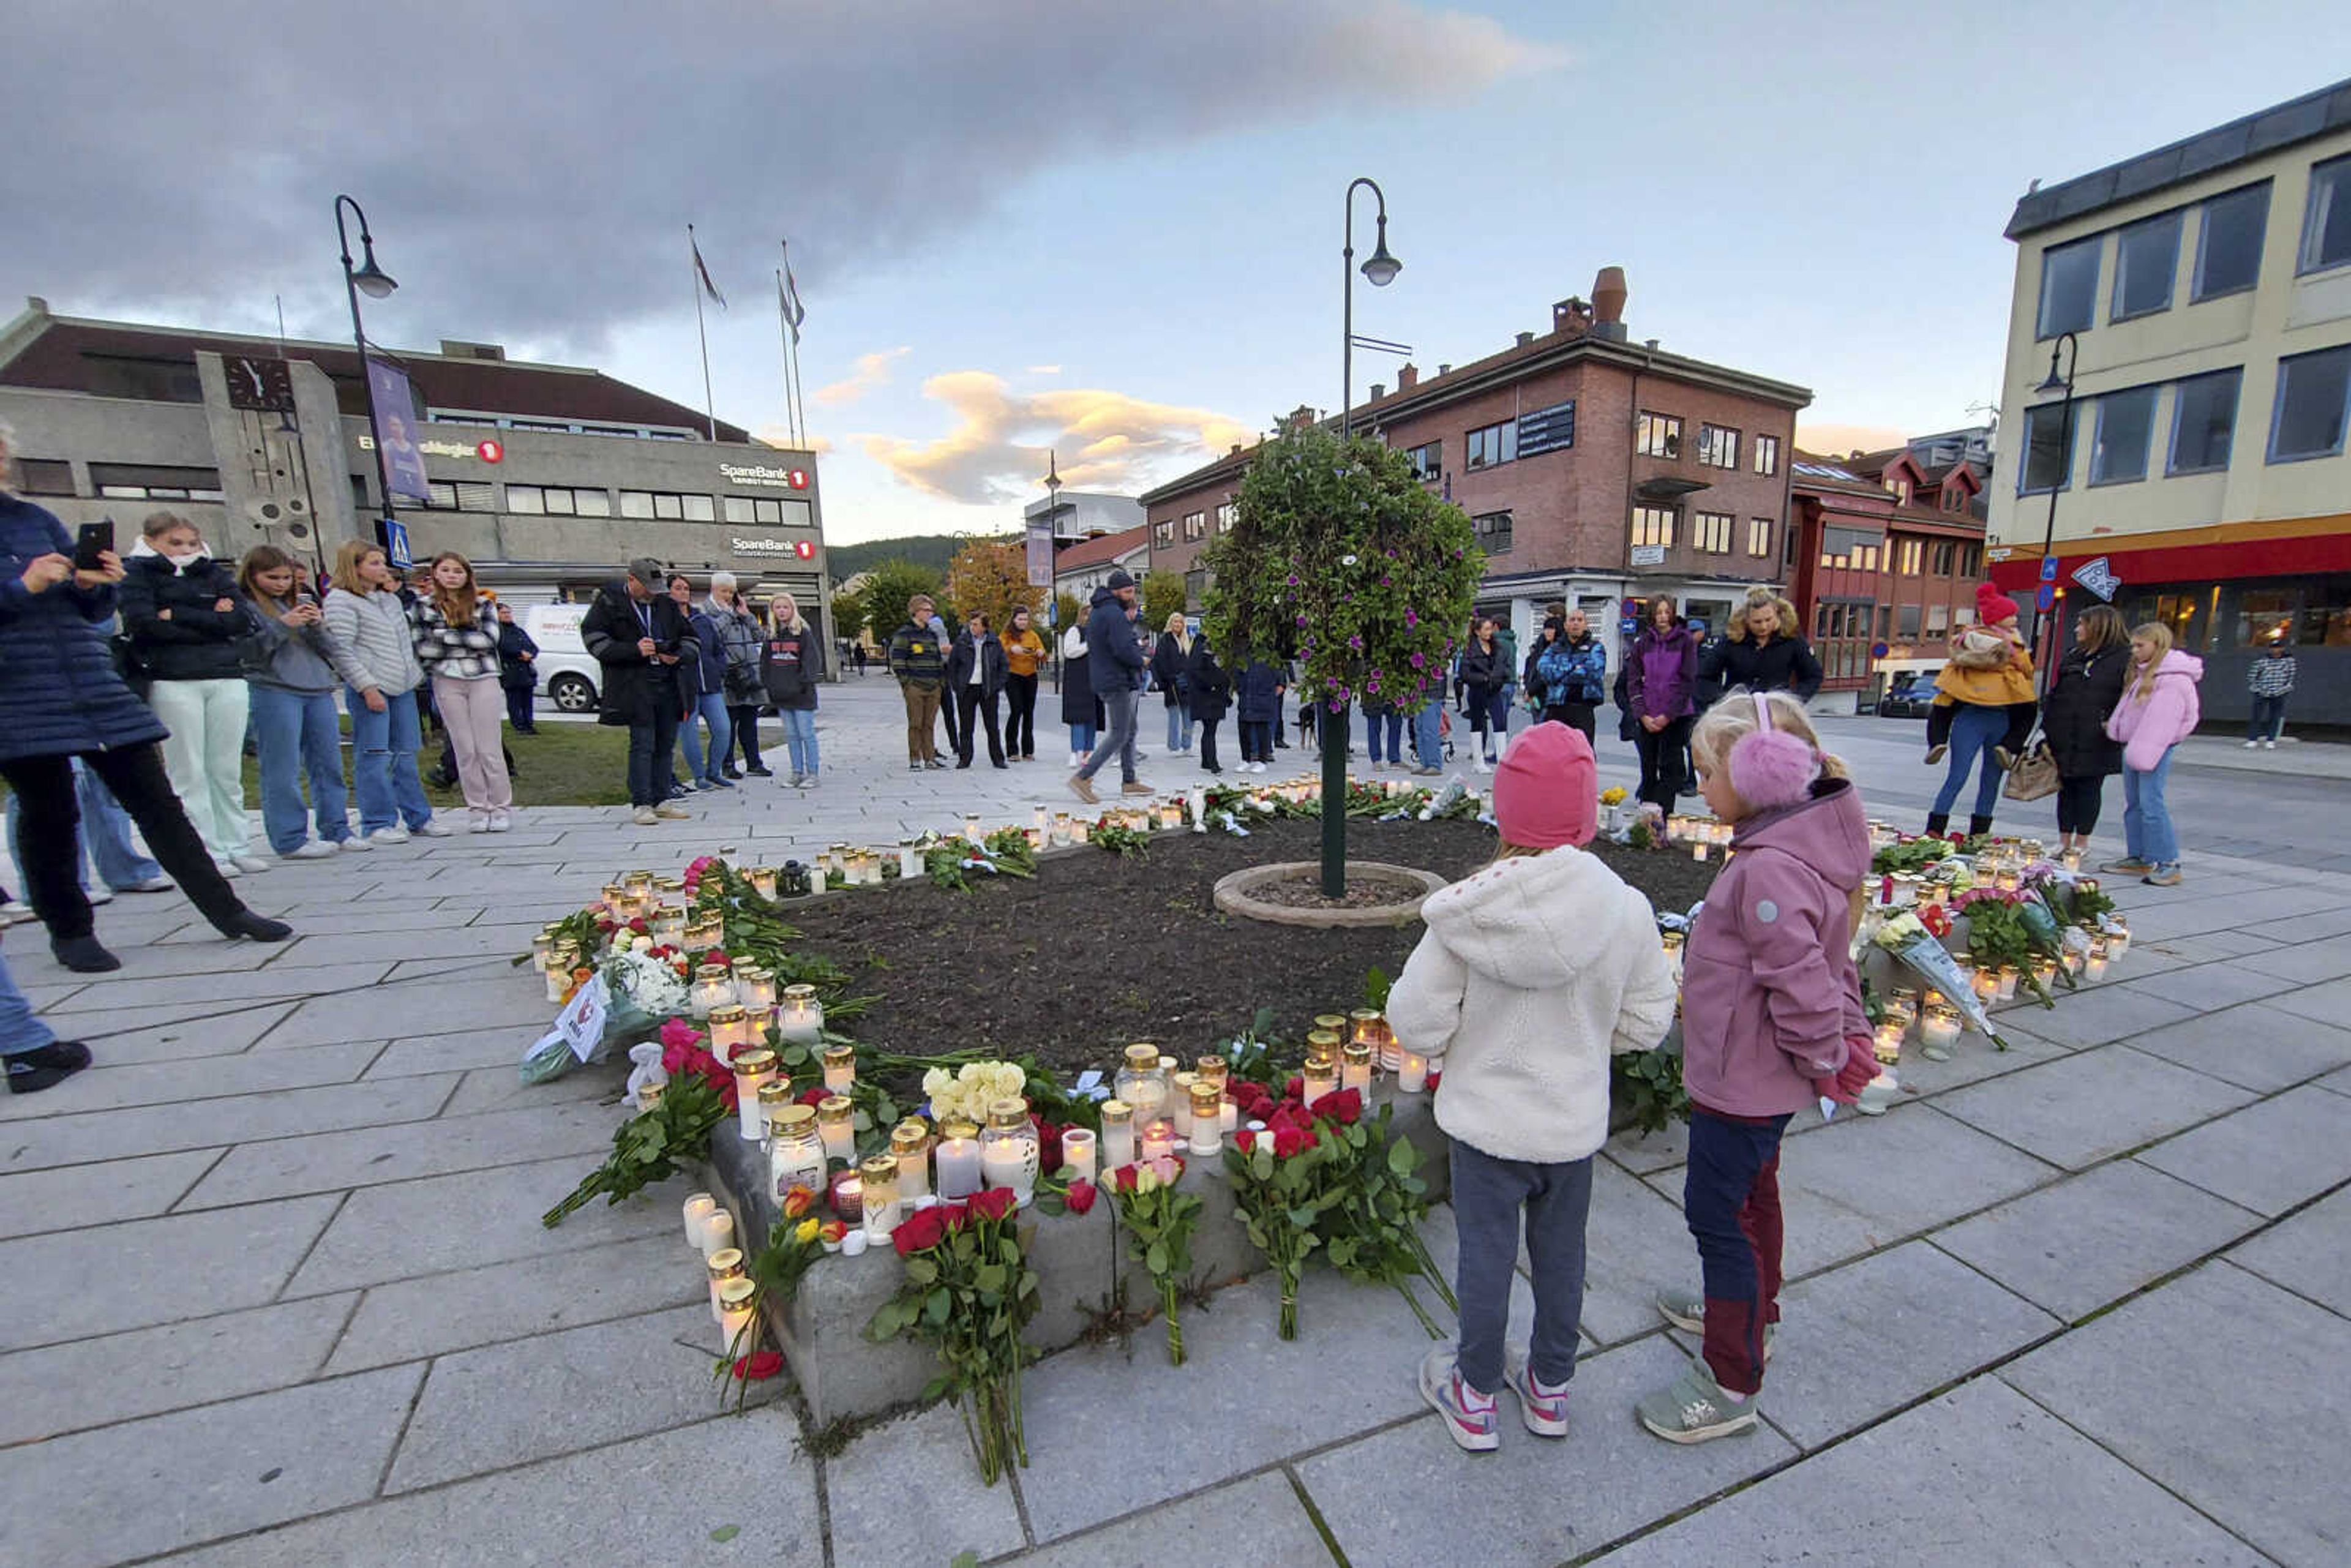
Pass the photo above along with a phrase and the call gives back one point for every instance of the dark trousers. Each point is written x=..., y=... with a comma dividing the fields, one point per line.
x=2078, y=800
x=977, y=702
x=651, y=748
x=1730, y=1197
x=1257, y=740
x=1488, y=1196
x=1662, y=755
x=518, y=710
x=1575, y=715
x=745, y=718
x=2268, y=719
x=48, y=835
x=1021, y=720
x=947, y=712
x=1206, y=729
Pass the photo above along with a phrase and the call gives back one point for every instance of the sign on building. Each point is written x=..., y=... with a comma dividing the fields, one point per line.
x=1040, y=553
x=1648, y=555
x=2098, y=578
x=395, y=411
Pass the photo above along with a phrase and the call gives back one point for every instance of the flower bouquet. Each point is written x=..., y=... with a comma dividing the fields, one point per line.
x=1906, y=937
x=1279, y=1187
x=1159, y=1221
x=1372, y=1234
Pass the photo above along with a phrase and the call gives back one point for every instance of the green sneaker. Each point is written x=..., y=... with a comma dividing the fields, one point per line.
x=1686, y=1310
x=1694, y=1409
x=2165, y=875
x=2130, y=865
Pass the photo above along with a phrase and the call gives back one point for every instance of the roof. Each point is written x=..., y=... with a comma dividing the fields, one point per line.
x=67, y=353
x=2222, y=147
x=1101, y=550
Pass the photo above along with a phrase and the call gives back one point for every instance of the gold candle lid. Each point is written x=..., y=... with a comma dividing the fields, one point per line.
x=790, y=1119
x=794, y=996
x=774, y=1094
x=1009, y=1112
x=727, y=1263
x=1142, y=1058
x=840, y=1056
x=1356, y=1055
x=1207, y=1100
x=909, y=1138
x=732, y=1013
x=1182, y=1082
x=1329, y=1020
x=1212, y=1068
x=752, y=1063
x=710, y=972
x=1116, y=1113
x=834, y=1108
x=737, y=1293
x=651, y=1096
x=959, y=1128
x=879, y=1170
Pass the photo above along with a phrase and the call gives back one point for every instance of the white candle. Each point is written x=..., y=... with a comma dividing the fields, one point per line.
x=840, y=1068
x=725, y=1265
x=1412, y=1078
x=1357, y=1076
x=799, y=1018
x=1042, y=818
x=957, y=1157
x=1159, y=1140
x=1003, y=1165
x=1078, y=1154
x=1117, y=1135
x=853, y=1244
x=699, y=1207
x=835, y=1125
x=971, y=830
x=2093, y=967
x=1179, y=1103
x=717, y=1232
x=1940, y=1030
x=734, y=1315
x=753, y=1071
x=1228, y=1117
x=1208, y=1136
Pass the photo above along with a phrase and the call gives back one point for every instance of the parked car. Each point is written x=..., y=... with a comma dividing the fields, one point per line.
x=1908, y=698
x=568, y=676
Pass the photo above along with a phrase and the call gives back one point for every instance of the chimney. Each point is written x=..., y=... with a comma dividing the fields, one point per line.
x=1236, y=451
x=458, y=348
x=1571, y=316
x=1379, y=391
x=1445, y=370
x=1608, y=297
x=1407, y=378
x=1524, y=339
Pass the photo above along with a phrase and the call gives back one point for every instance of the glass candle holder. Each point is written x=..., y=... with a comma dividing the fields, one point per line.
x=755, y=1068
x=1040, y=817
x=1061, y=836
x=667, y=927
x=799, y=1017
x=649, y=1096
x=1140, y=1083
x=2116, y=932
x=910, y=1145
x=794, y=882
x=730, y=1031
x=880, y=1175
x=2093, y=967
x=1179, y=1100
x=1355, y=1063
x=1987, y=985
x=1009, y=1149
x=1082, y=832
x=737, y=1322
x=1078, y=1154
x=562, y=959
x=839, y=1068
x=1673, y=942
x=1885, y=1043
x=910, y=859
x=971, y=829
x=1171, y=816
x=1320, y=1077
x=1208, y=1120
x=541, y=946
x=1158, y=1140
x=1939, y=1027
x=795, y=1152
x=836, y=1124
x=720, y=1267
x=618, y=899
x=1412, y=1075
x=847, y=1197
x=1117, y=1134
x=1329, y=1023
x=774, y=1095
x=2008, y=976
x=1213, y=1069
x=712, y=988
x=704, y=932
x=1369, y=1025
x=697, y=1209
x=959, y=1160
x=763, y=880
x=755, y=987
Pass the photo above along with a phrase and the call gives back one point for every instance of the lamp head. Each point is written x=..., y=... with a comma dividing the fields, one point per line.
x=370, y=279
x=2053, y=382
x=1381, y=268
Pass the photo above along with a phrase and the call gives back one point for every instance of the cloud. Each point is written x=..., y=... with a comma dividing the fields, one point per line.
x=529, y=166
x=997, y=452
x=1044, y=370
x=872, y=371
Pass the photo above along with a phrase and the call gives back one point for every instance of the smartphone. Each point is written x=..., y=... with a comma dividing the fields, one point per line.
x=94, y=540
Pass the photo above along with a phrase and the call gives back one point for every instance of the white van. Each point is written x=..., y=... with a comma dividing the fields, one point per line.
x=567, y=676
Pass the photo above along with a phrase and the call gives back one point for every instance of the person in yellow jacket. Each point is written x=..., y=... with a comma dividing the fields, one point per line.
x=1983, y=704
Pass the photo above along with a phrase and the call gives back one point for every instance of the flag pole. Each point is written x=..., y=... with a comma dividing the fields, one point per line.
x=709, y=404
x=792, y=348
x=784, y=343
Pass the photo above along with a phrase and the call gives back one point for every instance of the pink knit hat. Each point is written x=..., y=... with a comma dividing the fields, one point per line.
x=1547, y=789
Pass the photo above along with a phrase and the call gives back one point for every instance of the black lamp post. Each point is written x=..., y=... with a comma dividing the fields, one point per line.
x=1053, y=523
x=2069, y=347
x=376, y=284
x=1381, y=269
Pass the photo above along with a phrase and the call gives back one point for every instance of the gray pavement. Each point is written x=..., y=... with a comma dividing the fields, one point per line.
x=273, y=1288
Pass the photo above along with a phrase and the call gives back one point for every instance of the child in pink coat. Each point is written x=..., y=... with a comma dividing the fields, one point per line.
x=2159, y=709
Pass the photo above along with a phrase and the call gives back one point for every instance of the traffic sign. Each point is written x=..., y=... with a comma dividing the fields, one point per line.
x=1878, y=650
x=2047, y=597
x=394, y=536
x=2048, y=569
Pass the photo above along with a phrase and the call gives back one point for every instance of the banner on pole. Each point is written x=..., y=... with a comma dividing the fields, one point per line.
x=1040, y=553
x=395, y=412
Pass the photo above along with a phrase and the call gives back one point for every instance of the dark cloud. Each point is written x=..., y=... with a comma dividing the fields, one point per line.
x=534, y=161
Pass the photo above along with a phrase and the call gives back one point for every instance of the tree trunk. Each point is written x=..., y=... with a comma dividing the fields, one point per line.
x=1331, y=729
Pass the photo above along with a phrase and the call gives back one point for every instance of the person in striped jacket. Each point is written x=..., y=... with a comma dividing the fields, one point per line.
x=2271, y=680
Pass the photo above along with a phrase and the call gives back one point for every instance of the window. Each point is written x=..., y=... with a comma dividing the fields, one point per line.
x=2126, y=433
x=2262, y=615
x=663, y=505
x=529, y=499
x=2228, y=242
x=2048, y=450
x=755, y=509
x=1427, y=461
x=1938, y=619
x=1711, y=532
x=1971, y=560
x=1196, y=525
x=2326, y=222
x=2203, y=416
x=1226, y=513
x=1955, y=499
x=45, y=477
x=1162, y=533
x=2147, y=254
x=1195, y=585
x=1906, y=622
x=1759, y=537
x=1493, y=529
x=1767, y=455
x=1946, y=556
x=1849, y=549
x=1653, y=526
x=1718, y=446
x=1489, y=444
x=1907, y=556
x=1659, y=435
x=2069, y=285
x=2311, y=395
x=153, y=482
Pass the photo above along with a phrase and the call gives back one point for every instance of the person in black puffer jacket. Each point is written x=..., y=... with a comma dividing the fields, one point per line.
x=1763, y=652
x=1210, y=690
x=2090, y=680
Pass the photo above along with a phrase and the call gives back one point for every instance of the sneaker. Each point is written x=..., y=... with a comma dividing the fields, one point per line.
x=678, y=791
x=253, y=863
x=733, y=771
x=1083, y=788
x=1482, y=766
x=354, y=845
x=1936, y=754
x=1427, y=772
x=152, y=884
x=915, y=767
x=795, y=780
x=935, y=766
x=2130, y=865
x=760, y=771
x=670, y=810
x=1686, y=1310
x=1541, y=1406
x=644, y=817
x=2165, y=875
x=44, y=1066
x=805, y=781
x=98, y=895
x=2269, y=745
x=394, y=835
x=1135, y=787
x=477, y=821
x=312, y=850
x=1470, y=1416
x=2250, y=744
x=1693, y=1408
x=14, y=911
x=228, y=868
x=501, y=821
x=433, y=829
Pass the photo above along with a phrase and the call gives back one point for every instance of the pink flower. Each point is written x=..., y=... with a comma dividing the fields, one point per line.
x=678, y=1032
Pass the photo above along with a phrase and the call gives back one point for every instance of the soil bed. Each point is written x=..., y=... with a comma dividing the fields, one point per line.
x=1303, y=889
x=1102, y=950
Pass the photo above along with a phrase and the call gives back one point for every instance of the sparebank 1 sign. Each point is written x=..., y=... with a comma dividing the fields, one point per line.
x=805, y=549
x=764, y=477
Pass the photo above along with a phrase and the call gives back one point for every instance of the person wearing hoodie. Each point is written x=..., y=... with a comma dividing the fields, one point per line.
x=976, y=669
x=1986, y=692
x=1527, y=1007
x=187, y=628
x=791, y=662
x=1210, y=690
x=1568, y=674
x=1771, y=1020
x=1116, y=668
x=2159, y=709
x=292, y=692
x=1660, y=683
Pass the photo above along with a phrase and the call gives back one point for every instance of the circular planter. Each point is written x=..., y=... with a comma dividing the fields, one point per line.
x=1236, y=895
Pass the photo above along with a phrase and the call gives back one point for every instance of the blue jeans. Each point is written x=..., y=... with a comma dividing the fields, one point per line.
x=1179, y=726
x=383, y=762
x=1731, y=1201
x=2268, y=720
x=295, y=733
x=1082, y=737
x=105, y=833
x=1487, y=1195
x=1120, y=742
x=711, y=709
x=799, y=736
x=2148, y=833
x=1493, y=718
x=1387, y=725
x=20, y=1032
x=1429, y=733
x=1973, y=733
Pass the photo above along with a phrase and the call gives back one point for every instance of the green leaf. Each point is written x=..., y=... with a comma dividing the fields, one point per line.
x=1402, y=1156
x=991, y=1277
x=1155, y=1260
x=922, y=1271
x=936, y=1305
x=1303, y=1217
x=725, y=1532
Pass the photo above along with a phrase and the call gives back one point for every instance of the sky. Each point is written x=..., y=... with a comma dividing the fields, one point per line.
x=1110, y=230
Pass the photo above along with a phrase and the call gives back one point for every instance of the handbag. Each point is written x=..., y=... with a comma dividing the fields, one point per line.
x=2033, y=775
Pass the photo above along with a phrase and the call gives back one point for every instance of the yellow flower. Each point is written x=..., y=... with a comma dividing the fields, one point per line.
x=1613, y=796
x=806, y=1231
x=1145, y=1179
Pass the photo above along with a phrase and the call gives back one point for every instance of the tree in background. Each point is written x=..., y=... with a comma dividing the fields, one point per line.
x=1067, y=610
x=849, y=613
x=888, y=587
x=991, y=578
x=1162, y=595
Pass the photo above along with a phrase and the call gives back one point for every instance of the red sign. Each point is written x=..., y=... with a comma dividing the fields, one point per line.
x=800, y=478
x=805, y=549
x=491, y=451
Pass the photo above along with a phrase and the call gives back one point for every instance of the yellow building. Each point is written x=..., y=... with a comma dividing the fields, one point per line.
x=2199, y=295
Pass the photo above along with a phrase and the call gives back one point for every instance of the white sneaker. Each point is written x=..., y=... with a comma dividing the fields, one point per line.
x=436, y=828
x=1482, y=766
x=354, y=845
x=644, y=817
x=2269, y=745
x=477, y=821
x=152, y=884
x=312, y=850
x=250, y=863
x=228, y=868
x=98, y=895
x=500, y=822
x=395, y=834
x=2250, y=744
x=14, y=910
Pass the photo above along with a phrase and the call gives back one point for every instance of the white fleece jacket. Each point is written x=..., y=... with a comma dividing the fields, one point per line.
x=1532, y=973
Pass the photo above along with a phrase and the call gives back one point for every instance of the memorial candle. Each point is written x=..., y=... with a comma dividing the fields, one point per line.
x=799, y=1017
x=910, y=1145
x=1078, y=1154
x=755, y=987
x=1179, y=1101
x=1042, y=818
x=730, y=1031
x=1158, y=1140
x=847, y=1196
x=736, y=1321
x=1117, y=1134
x=959, y=1160
x=753, y=1068
x=795, y=1153
x=717, y=1232
x=649, y=1096
x=835, y=1125
x=839, y=1068
x=722, y=1266
x=1355, y=1070
x=1009, y=1150
x=763, y=881
x=910, y=859
x=1412, y=1078
x=879, y=1176
x=714, y=988
x=698, y=1208
x=1208, y=1120
x=1320, y=1077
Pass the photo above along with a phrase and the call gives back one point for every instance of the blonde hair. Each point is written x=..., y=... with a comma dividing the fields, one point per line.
x=1507, y=850
x=346, y=575
x=1758, y=599
x=2142, y=685
x=1735, y=718
x=783, y=602
x=158, y=524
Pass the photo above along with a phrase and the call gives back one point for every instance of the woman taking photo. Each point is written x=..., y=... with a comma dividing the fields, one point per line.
x=740, y=639
x=791, y=662
x=457, y=633
x=365, y=615
x=292, y=690
x=1486, y=675
x=1024, y=656
x=1661, y=700
x=185, y=621
x=2073, y=718
x=1082, y=710
x=1169, y=661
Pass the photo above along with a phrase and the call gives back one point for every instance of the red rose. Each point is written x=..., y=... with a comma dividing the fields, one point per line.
x=994, y=1203
x=1295, y=1088
x=919, y=1231
x=1433, y=1079
x=1288, y=1141
x=1123, y=1178
x=1246, y=1139
x=954, y=1216
x=1081, y=1196
x=816, y=1096
x=637, y=924
x=1049, y=1146
x=716, y=955
x=1345, y=1107
x=760, y=1365
x=606, y=926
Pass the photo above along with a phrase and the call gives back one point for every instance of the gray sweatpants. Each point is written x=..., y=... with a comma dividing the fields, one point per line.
x=1487, y=1195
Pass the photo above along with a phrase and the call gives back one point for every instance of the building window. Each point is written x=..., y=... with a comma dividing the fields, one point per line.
x=1493, y=530
x=1427, y=461
x=1954, y=498
x=664, y=505
x=1908, y=554
x=2147, y=255
x=1946, y=556
x=1767, y=455
x=1653, y=527
x=1718, y=446
x=2326, y=221
x=1226, y=513
x=154, y=482
x=2228, y=242
x=2126, y=433
x=1162, y=533
x=44, y=476
x=1850, y=549
x=465, y=495
x=1659, y=435
x=1971, y=560
x=2203, y=418
x=1759, y=537
x=2048, y=450
x=755, y=509
x=2311, y=396
x=1196, y=527
x=556, y=500
x=2069, y=285
x=1489, y=444
x=1905, y=620
x=1711, y=532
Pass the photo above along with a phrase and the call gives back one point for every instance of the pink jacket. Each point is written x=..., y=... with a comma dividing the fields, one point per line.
x=1770, y=994
x=2149, y=727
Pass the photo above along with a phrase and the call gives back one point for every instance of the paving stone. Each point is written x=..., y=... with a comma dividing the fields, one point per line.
x=441, y=1223
x=352, y=918
x=177, y=1083
x=413, y=1319
x=145, y=1486
x=1934, y=1487
x=2268, y=1156
x=2095, y=1237
x=205, y=1124
x=2304, y=928
x=2256, y=1046
x=69, y=1197
x=502, y=1088
x=194, y=1027
x=393, y=1012
x=1642, y=1153
x=412, y=971
x=2340, y=1082
x=2309, y=1254
x=865, y=1489
x=554, y=1392
x=369, y=1156
x=228, y=990
x=1261, y=1514
x=2237, y=1422
x=1541, y=1502
x=2307, y=963
x=2097, y=1015
x=1860, y=1341
x=2329, y=1003
x=2091, y=1105
x=459, y=1051
x=446, y=941
x=69, y=1284
x=1634, y=1241
x=2209, y=987
x=2197, y=913
x=1975, y=1058
x=98, y=1381
x=2204, y=948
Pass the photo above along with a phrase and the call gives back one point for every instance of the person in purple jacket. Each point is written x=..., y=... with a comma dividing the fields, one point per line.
x=1660, y=691
x=1772, y=1017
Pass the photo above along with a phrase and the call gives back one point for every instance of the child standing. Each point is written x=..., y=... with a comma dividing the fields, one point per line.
x=1771, y=1018
x=2159, y=709
x=1559, y=963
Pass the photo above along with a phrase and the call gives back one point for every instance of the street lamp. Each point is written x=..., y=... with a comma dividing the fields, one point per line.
x=376, y=284
x=1380, y=270
x=2069, y=347
x=1054, y=524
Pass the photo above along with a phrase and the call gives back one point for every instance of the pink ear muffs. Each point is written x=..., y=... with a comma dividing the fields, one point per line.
x=1770, y=767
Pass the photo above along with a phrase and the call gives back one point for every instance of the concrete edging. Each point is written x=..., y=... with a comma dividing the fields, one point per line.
x=1232, y=896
